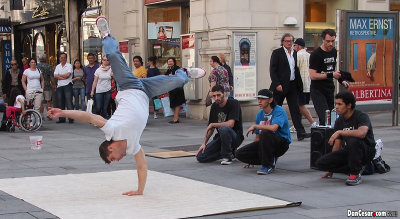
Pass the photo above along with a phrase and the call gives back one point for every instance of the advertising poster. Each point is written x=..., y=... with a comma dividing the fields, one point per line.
x=163, y=30
x=188, y=50
x=245, y=65
x=371, y=60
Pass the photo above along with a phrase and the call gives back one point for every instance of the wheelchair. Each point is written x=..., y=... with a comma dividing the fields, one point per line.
x=30, y=121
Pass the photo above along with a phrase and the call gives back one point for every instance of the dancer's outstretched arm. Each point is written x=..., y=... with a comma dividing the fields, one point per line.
x=83, y=116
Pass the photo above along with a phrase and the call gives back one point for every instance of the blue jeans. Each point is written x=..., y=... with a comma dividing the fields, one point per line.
x=222, y=146
x=125, y=79
x=102, y=103
x=79, y=95
x=64, y=98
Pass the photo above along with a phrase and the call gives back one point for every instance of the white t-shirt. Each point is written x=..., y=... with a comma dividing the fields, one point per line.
x=33, y=80
x=104, y=81
x=60, y=70
x=17, y=103
x=129, y=120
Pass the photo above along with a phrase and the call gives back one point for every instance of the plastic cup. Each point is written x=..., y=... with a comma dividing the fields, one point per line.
x=36, y=142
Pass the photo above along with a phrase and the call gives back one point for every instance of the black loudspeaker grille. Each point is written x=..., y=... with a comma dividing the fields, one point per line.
x=319, y=144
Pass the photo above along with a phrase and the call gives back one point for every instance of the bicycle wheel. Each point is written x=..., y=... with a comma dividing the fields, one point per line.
x=31, y=121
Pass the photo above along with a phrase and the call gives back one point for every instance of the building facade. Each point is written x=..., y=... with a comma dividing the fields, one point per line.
x=165, y=28
x=215, y=25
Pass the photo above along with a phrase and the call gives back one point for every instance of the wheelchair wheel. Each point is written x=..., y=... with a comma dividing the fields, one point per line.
x=31, y=121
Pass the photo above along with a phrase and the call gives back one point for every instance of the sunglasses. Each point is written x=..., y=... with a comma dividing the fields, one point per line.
x=13, y=63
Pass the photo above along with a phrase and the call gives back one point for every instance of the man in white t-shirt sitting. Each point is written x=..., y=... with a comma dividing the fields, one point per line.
x=124, y=128
x=63, y=73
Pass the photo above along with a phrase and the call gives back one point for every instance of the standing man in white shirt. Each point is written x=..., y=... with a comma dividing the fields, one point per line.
x=303, y=62
x=63, y=74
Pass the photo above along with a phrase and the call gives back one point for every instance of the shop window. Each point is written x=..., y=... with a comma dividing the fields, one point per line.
x=163, y=33
x=91, y=39
x=315, y=12
x=39, y=45
x=26, y=46
x=395, y=5
x=320, y=15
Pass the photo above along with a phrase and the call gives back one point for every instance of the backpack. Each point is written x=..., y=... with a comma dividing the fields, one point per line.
x=377, y=165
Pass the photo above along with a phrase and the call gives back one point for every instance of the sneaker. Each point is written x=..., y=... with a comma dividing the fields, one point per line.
x=226, y=161
x=264, y=170
x=102, y=25
x=354, y=180
x=155, y=116
x=196, y=72
x=314, y=125
x=292, y=129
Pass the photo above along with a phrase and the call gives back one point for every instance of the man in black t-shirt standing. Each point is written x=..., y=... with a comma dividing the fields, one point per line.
x=353, y=141
x=322, y=71
x=226, y=117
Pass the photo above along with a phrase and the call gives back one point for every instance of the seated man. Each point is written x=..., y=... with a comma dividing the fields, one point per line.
x=353, y=141
x=124, y=128
x=272, y=135
x=226, y=116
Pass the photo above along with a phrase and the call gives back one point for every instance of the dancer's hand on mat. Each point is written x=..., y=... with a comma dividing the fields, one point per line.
x=327, y=175
x=132, y=193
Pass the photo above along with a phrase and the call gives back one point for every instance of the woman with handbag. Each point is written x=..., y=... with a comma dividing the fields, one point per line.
x=102, y=84
x=177, y=95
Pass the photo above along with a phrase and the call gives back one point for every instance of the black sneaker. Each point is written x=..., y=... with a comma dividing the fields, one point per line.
x=301, y=136
x=354, y=180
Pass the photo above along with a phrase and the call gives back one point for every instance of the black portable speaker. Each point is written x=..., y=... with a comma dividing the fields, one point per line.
x=319, y=144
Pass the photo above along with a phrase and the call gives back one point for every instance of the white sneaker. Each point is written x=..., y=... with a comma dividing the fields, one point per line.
x=292, y=129
x=196, y=72
x=226, y=161
x=102, y=25
x=155, y=116
x=314, y=125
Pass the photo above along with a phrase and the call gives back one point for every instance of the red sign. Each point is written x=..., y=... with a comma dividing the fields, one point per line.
x=124, y=47
x=188, y=42
x=372, y=93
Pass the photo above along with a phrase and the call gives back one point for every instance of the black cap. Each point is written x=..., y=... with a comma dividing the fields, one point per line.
x=265, y=94
x=300, y=42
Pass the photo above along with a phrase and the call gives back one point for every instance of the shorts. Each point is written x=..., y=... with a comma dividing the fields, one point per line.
x=304, y=98
x=47, y=94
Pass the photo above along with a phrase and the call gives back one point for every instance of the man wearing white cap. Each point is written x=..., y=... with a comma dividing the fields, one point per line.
x=272, y=135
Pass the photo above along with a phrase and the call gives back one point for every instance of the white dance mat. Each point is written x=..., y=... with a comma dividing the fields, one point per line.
x=98, y=195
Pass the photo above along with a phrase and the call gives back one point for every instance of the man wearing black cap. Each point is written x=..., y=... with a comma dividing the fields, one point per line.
x=303, y=62
x=272, y=135
x=286, y=81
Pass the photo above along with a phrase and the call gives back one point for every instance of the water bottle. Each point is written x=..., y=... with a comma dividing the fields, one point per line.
x=333, y=117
